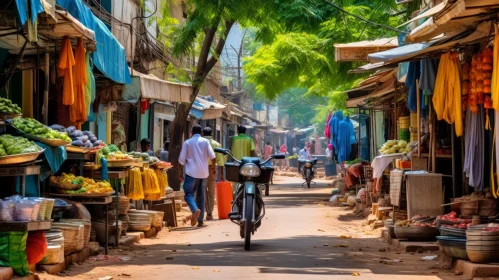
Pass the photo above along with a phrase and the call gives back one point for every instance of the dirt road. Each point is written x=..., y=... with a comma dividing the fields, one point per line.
x=300, y=239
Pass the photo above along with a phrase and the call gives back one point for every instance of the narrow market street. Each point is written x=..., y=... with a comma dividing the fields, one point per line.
x=301, y=238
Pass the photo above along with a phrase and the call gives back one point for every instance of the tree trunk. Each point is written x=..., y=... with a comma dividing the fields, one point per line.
x=177, y=130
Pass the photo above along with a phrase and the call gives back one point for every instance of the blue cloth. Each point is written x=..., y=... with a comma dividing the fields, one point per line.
x=103, y=170
x=334, y=126
x=54, y=158
x=428, y=75
x=109, y=57
x=346, y=137
x=410, y=82
x=195, y=188
x=22, y=9
x=30, y=185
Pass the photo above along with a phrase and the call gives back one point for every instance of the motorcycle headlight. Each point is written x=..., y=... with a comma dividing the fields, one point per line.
x=308, y=164
x=250, y=170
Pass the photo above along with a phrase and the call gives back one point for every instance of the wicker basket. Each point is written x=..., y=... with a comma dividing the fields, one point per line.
x=123, y=206
x=63, y=186
x=156, y=216
x=87, y=226
x=73, y=236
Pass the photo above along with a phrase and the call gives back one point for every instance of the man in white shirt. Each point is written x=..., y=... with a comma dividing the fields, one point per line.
x=302, y=155
x=194, y=155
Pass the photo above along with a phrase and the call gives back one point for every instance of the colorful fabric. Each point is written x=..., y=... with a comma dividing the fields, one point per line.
x=22, y=9
x=447, y=94
x=495, y=73
x=78, y=110
x=65, y=69
x=90, y=86
x=283, y=149
x=242, y=145
x=346, y=137
x=412, y=75
x=334, y=126
x=327, y=131
x=474, y=148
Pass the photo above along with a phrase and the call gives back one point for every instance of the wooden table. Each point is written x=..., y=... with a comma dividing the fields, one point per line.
x=22, y=171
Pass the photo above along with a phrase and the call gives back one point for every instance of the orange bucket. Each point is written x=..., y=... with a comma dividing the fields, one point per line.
x=224, y=199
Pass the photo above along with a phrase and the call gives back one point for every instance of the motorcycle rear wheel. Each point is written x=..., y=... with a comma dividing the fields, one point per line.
x=248, y=224
x=308, y=178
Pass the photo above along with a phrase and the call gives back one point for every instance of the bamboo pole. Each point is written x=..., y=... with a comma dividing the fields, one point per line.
x=434, y=146
x=418, y=112
x=430, y=143
x=46, y=91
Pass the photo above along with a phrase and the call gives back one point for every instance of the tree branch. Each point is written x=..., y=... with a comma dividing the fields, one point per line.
x=218, y=49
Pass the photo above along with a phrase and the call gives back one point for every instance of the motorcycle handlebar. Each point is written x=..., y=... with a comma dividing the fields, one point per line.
x=227, y=152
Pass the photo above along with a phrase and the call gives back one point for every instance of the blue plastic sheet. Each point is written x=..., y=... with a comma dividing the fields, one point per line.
x=346, y=137
x=22, y=9
x=109, y=57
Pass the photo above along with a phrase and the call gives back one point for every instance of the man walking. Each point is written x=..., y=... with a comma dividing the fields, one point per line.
x=212, y=178
x=195, y=153
x=267, y=151
x=283, y=163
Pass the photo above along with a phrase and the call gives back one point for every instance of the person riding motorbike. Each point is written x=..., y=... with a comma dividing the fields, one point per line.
x=302, y=155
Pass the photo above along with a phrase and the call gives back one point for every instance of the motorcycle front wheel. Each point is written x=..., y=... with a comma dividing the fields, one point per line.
x=248, y=224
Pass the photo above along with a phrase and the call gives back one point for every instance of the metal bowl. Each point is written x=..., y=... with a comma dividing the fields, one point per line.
x=416, y=233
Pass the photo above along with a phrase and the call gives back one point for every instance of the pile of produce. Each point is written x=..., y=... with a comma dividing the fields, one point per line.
x=143, y=156
x=135, y=188
x=150, y=184
x=68, y=179
x=163, y=165
x=89, y=186
x=395, y=146
x=452, y=217
x=492, y=227
x=472, y=197
x=84, y=139
x=35, y=128
x=13, y=145
x=7, y=107
x=118, y=156
x=352, y=162
x=411, y=223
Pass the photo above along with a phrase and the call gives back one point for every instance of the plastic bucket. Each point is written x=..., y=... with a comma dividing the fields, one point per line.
x=330, y=169
x=224, y=199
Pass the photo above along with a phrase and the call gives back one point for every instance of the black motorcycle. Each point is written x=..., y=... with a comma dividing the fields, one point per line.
x=307, y=167
x=248, y=208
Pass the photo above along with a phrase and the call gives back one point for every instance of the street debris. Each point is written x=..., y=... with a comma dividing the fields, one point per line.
x=105, y=278
x=345, y=236
x=355, y=274
x=125, y=274
x=325, y=245
x=169, y=258
x=195, y=268
x=216, y=270
x=341, y=245
x=321, y=230
x=429, y=258
x=457, y=272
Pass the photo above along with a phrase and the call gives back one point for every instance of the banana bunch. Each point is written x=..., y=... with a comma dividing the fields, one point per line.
x=96, y=187
x=395, y=146
x=162, y=180
x=135, y=188
x=151, y=184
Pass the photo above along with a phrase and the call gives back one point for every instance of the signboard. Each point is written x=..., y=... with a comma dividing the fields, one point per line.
x=356, y=53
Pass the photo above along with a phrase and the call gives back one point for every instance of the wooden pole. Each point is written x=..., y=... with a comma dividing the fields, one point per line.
x=46, y=91
x=452, y=143
x=434, y=143
x=395, y=113
x=418, y=112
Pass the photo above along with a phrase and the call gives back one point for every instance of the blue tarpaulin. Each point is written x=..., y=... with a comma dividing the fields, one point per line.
x=396, y=52
x=22, y=9
x=109, y=57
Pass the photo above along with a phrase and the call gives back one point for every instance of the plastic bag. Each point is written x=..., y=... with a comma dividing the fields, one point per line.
x=36, y=246
x=13, y=251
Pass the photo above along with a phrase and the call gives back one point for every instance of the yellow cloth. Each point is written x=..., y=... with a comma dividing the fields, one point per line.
x=220, y=157
x=78, y=110
x=242, y=145
x=65, y=69
x=495, y=79
x=447, y=93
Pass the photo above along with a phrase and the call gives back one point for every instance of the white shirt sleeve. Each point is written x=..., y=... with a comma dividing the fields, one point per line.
x=183, y=154
x=211, y=153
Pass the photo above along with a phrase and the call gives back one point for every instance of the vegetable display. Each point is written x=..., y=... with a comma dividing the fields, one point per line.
x=395, y=146
x=84, y=139
x=13, y=145
x=7, y=107
x=35, y=128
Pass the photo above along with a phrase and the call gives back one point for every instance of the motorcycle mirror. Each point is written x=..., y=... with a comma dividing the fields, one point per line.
x=279, y=156
x=220, y=150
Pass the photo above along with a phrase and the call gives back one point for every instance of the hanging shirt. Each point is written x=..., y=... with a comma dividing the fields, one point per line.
x=410, y=82
x=65, y=69
x=242, y=145
x=474, y=148
x=429, y=70
x=447, y=94
x=78, y=110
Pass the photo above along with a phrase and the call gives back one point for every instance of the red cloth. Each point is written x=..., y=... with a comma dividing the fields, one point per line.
x=327, y=131
x=355, y=169
x=284, y=149
x=349, y=179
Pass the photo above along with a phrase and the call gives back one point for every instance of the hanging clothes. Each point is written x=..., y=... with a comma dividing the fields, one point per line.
x=495, y=72
x=65, y=69
x=410, y=82
x=327, y=131
x=90, y=86
x=447, y=94
x=78, y=110
x=429, y=70
x=345, y=133
x=474, y=149
x=334, y=125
